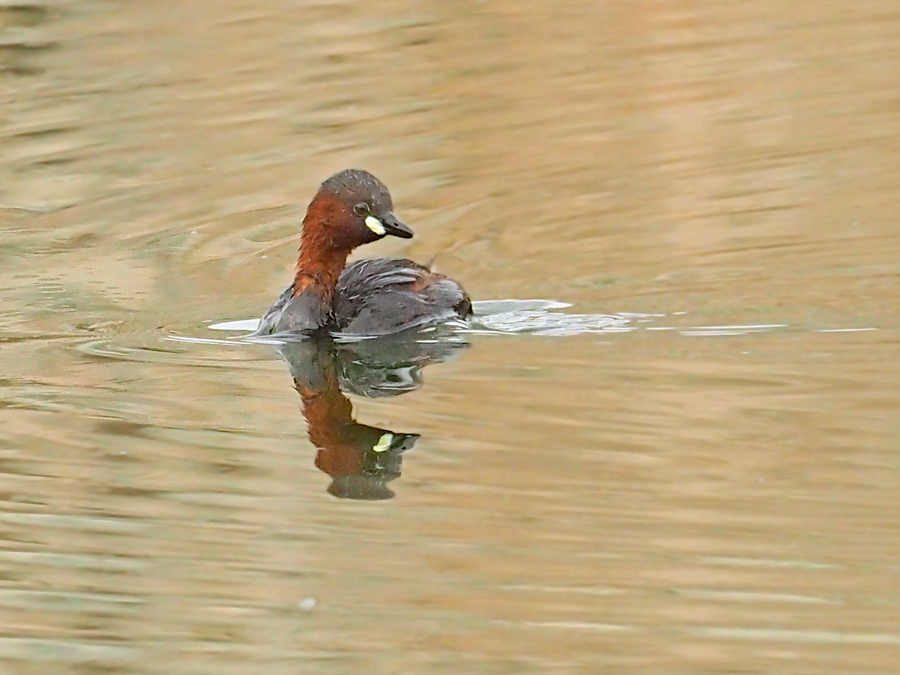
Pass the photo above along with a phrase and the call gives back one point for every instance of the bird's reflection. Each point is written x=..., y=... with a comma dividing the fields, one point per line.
x=360, y=459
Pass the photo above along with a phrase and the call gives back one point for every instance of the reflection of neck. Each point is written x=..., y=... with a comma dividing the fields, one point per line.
x=328, y=414
x=329, y=422
x=331, y=431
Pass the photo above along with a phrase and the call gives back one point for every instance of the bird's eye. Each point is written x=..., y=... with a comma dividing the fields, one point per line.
x=361, y=209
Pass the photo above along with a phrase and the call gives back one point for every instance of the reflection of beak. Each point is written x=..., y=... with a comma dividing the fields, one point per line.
x=394, y=227
x=403, y=442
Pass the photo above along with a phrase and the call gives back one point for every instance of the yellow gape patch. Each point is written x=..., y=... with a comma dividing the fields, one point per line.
x=384, y=443
x=375, y=225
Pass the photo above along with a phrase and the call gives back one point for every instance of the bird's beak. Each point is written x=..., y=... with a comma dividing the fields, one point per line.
x=393, y=226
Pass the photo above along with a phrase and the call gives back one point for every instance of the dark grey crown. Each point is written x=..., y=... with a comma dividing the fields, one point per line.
x=355, y=185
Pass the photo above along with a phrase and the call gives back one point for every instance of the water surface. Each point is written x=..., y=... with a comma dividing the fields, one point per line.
x=710, y=487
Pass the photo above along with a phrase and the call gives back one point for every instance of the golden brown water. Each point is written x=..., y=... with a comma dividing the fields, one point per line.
x=674, y=498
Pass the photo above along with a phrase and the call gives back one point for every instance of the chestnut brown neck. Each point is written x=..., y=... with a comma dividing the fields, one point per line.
x=322, y=256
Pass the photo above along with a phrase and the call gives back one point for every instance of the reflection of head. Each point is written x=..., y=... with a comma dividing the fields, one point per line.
x=369, y=470
x=360, y=459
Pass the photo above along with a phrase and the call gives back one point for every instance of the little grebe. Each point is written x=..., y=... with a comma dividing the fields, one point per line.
x=377, y=296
